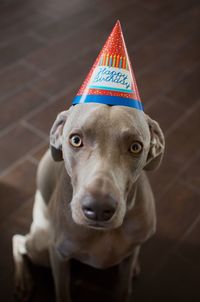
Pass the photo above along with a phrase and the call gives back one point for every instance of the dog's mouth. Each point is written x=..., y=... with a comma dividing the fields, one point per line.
x=97, y=226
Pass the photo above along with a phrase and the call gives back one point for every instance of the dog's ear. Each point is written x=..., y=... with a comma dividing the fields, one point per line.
x=56, y=135
x=157, y=145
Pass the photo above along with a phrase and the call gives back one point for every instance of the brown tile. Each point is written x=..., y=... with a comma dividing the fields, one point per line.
x=164, y=112
x=11, y=12
x=179, y=39
x=15, y=144
x=40, y=152
x=87, y=40
x=14, y=78
x=59, y=9
x=97, y=14
x=187, y=58
x=155, y=82
x=21, y=103
x=191, y=175
x=189, y=248
x=159, y=67
x=24, y=14
x=17, y=49
x=65, y=78
x=183, y=140
x=167, y=71
x=137, y=24
x=145, y=56
x=178, y=281
x=186, y=27
x=31, y=21
x=63, y=51
x=176, y=211
x=53, y=55
x=186, y=92
x=44, y=119
x=61, y=28
x=181, y=272
x=165, y=175
x=166, y=10
x=14, y=188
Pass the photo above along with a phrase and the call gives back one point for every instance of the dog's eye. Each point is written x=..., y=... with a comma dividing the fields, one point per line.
x=136, y=148
x=75, y=141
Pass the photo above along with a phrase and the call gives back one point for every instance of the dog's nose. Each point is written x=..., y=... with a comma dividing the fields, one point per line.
x=101, y=209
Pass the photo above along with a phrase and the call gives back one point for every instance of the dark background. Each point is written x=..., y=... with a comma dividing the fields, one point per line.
x=46, y=50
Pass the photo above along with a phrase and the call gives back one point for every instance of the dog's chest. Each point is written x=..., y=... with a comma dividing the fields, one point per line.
x=100, y=251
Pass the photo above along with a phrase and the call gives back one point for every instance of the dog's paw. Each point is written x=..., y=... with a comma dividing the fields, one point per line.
x=24, y=285
x=23, y=281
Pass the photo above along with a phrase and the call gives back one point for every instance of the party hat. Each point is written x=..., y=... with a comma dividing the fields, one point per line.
x=111, y=79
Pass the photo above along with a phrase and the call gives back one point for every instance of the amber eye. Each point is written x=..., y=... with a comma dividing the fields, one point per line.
x=136, y=148
x=76, y=141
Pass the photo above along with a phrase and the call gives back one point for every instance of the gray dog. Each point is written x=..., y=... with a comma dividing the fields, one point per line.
x=93, y=201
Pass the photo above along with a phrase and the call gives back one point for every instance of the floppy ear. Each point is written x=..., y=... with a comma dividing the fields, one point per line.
x=157, y=145
x=56, y=135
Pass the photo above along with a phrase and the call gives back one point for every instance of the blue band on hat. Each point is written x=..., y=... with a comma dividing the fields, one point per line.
x=108, y=99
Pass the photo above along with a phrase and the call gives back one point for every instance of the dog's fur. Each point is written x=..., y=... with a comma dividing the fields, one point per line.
x=103, y=166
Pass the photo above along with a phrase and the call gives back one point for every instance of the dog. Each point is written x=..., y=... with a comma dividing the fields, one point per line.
x=93, y=200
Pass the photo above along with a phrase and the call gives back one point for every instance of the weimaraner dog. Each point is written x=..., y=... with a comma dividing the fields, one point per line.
x=93, y=201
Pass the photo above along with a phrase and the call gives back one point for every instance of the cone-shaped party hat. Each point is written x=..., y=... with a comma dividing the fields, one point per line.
x=111, y=79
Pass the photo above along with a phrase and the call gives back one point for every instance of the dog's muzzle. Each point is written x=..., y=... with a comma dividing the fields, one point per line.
x=99, y=208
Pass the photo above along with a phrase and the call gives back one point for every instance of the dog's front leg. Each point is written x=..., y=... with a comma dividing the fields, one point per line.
x=61, y=274
x=128, y=269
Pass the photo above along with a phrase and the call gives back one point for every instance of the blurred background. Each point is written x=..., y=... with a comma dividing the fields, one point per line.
x=46, y=49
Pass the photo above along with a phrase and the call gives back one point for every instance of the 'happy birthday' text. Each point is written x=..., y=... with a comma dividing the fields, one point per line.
x=107, y=75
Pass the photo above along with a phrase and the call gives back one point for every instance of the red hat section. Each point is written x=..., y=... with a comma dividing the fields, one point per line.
x=111, y=79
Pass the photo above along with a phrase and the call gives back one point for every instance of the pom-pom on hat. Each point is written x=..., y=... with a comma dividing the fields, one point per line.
x=111, y=79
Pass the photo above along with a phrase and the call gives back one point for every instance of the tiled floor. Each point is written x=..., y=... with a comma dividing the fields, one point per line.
x=46, y=49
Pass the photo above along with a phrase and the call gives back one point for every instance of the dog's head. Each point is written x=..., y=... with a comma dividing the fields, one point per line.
x=105, y=148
